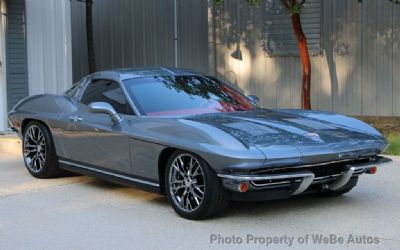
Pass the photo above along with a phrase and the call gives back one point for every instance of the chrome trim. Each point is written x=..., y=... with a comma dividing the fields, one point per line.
x=266, y=177
x=110, y=173
x=342, y=180
x=310, y=165
x=79, y=92
x=104, y=108
x=270, y=184
x=306, y=176
x=305, y=183
x=379, y=162
x=319, y=178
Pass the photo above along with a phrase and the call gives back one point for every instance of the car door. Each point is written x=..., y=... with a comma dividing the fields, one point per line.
x=98, y=140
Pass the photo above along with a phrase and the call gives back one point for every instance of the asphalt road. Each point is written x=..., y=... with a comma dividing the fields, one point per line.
x=84, y=213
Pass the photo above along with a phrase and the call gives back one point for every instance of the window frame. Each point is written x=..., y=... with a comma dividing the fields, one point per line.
x=92, y=80
x=79, y=85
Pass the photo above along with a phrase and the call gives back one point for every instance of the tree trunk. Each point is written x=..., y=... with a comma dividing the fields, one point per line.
x=89, y=34
x=305, y=61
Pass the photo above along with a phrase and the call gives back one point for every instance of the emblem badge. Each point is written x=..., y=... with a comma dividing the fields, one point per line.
x=313, y=136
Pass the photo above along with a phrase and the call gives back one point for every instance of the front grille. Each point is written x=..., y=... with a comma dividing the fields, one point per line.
x=324, y=173
x=275, y=183
x=325, y=170
x=319, y=169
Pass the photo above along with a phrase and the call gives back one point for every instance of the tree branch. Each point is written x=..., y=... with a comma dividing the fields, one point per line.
x=286, y=3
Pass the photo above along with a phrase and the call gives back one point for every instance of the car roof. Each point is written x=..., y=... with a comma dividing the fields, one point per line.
x=131, y=73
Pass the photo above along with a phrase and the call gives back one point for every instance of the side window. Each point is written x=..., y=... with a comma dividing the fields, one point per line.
x=106, y=91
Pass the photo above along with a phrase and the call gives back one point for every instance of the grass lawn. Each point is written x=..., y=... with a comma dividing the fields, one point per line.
x=394, y=140
x=389, y=126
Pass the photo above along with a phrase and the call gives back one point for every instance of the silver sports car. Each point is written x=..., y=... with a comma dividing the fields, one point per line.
x=192, y=137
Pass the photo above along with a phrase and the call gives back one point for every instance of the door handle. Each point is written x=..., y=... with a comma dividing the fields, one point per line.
x=76, y=118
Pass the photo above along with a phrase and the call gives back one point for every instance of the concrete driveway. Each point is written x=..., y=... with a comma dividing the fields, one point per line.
x=85, y=213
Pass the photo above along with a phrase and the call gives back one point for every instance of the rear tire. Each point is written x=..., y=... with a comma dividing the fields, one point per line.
x=193, y=189
x=345, y=189
x=39, y=152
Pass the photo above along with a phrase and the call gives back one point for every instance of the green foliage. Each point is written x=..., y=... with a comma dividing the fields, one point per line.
x=220, y=3
x=394, y=144
x=295, y=8
x=253, y=2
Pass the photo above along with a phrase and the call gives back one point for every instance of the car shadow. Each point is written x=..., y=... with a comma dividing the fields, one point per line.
x=125, y=192
x=276, y=208
x=264, y=209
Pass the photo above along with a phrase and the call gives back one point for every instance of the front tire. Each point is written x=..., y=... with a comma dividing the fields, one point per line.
x=39, y=152
x=193, y=189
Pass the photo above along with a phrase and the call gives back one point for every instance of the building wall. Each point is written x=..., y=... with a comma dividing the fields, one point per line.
x=35, y=50
x=3, y=66
x=356, y=73
x=48, y=24
x=136, y=33
x=16, y=54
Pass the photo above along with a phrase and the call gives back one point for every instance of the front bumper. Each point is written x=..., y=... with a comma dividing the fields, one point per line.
x=290, y=183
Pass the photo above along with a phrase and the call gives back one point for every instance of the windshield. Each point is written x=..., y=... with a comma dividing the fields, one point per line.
x=184, y=95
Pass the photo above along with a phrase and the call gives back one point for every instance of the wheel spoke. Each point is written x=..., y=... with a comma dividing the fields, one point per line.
x=199, y=190
x=186, y=182
x=29, y=133
x=182, y=166
x=196, y=197
x=196, y=171
x=40, y=136
x=38, y=165
x=41, y=158
x=34, y=162
x=34, y=134
x=28, y=145
x=189, y=206
x=28, y=151
x=182, y=201
x=190, y=166
x=178, y=170
x=177, y=182
x=177, y=189
x=34, y=148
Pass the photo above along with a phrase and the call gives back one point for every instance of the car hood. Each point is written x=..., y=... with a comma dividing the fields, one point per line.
x=281, y=135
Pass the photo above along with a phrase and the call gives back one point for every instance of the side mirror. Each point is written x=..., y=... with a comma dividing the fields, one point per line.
x=252, y=98
x=104, y=108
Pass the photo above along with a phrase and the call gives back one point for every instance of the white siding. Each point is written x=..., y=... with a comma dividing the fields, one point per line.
x=3, y=97
x=49, y=45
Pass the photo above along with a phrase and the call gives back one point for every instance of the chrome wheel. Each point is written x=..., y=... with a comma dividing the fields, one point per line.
x=186, y=182
x=34, y=147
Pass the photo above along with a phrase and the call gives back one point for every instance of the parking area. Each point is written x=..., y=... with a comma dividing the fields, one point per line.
x=82, y=212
